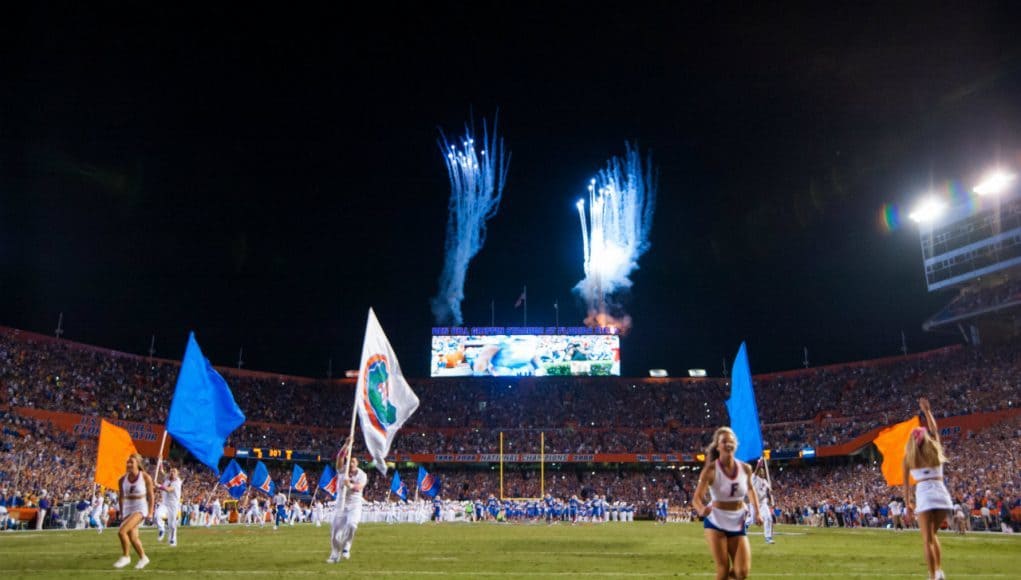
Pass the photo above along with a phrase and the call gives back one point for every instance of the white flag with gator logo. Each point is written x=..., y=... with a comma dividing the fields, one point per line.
x=383, y=398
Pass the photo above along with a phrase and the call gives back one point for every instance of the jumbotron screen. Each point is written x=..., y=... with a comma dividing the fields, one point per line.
x=525, y=355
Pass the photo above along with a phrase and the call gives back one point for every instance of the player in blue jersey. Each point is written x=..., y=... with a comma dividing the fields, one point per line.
x=437, y=515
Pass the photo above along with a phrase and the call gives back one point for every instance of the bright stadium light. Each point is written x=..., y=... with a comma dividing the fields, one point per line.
x=928, y=210
x=658, y=373
x=995, y=183
x=697, y=373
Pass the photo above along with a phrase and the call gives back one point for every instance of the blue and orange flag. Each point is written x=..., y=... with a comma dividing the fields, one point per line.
x=299, y=482
x=234, y=479
x=398, y=488
x=203, y=412
x=428, y=484
x=383, y=398
x=744, y=413
x=328, y=481
x=261, y=480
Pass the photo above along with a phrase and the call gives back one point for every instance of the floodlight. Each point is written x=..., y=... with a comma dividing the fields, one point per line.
x=995, y=183
x=928, y=210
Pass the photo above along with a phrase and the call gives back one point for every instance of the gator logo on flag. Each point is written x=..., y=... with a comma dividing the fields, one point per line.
x=237, y=480
x=428, y=484
x=376, y=394
x=302, y=484
x=267, y=485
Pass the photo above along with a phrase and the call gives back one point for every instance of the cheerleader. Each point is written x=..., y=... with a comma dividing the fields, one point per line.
x=728, y=482
x=169, y=507
x=923, y=460
x=348, y=513
x=136, y=505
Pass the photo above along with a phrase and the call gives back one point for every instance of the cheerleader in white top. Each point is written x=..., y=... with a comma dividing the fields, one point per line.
x=728, y=482
x=924, y=459
x=136, y=502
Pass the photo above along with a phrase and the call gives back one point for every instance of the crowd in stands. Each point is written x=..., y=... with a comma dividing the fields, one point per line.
x=814, y=407
x=977, y=301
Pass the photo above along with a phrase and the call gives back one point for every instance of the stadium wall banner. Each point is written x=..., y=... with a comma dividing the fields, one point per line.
x=145, y=436
x=525, y=355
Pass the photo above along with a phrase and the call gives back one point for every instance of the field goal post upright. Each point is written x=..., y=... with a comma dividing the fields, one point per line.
x=542, y=470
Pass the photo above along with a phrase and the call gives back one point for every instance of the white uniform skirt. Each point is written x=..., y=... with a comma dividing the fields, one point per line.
x=728, y=520
x=135, y=506
x=932, y=495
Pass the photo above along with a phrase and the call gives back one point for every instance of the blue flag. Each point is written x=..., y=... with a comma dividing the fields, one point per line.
x=398, y=488
x=744, y=413
x=328, y=481
x=299, y=482
x=203, y=412
x=234, y=479
x=428, y=485
x=261, y=480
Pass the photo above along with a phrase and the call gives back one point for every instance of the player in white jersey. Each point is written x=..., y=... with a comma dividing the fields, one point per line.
x=764, y=491
x=347, y=516
x=215, y=513
x=317, y=513
x=169, y=506
x=99, y=512
x=255, y=513
x=137, y=504
x=728, y=482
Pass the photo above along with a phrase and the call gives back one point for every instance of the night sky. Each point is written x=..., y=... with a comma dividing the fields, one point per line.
x=264, y=178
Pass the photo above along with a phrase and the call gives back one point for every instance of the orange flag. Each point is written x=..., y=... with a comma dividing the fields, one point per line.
x=115, y=446
x=891, y=442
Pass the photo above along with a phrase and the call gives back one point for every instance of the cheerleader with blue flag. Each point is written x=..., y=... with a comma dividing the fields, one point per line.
x=234, y=479
x=428, y=484
x=398, y=488
x=299, y=482
x=261, y=480
x=328, y=482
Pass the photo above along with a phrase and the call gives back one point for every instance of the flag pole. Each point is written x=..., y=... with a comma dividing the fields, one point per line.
x=350, y=442
x=159, y=458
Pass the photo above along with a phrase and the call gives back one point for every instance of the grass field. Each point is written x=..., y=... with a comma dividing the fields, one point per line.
x=639, y=550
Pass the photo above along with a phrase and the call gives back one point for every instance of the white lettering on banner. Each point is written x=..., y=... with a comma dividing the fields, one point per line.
x=444, y=458
x=466, y=457
x=557, y=457
x=582, y=458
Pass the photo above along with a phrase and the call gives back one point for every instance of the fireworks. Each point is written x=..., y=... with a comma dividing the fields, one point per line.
x=477, y=179
x=615, y=233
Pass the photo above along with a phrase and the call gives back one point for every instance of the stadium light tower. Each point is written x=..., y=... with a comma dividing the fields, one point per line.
x=995, y=183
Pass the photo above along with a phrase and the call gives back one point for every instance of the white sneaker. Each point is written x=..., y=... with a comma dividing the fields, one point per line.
x=333, y=559
x=346, y=555
x=173, y=543
x=122, y=562
x=142, y=563
x=159, y=536
x=940, y=575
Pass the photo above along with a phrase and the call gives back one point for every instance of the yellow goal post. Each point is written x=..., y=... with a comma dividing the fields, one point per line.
x=542, y=471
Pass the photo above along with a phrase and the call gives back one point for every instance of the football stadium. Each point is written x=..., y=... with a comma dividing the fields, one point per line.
x=785, y=344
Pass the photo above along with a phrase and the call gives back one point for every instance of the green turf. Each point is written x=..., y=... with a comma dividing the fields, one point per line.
x=639, y=550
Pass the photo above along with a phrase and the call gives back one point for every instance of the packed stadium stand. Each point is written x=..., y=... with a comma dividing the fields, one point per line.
x=632, y=440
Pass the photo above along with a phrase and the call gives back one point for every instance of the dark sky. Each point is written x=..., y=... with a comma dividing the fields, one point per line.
x=263, y=178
